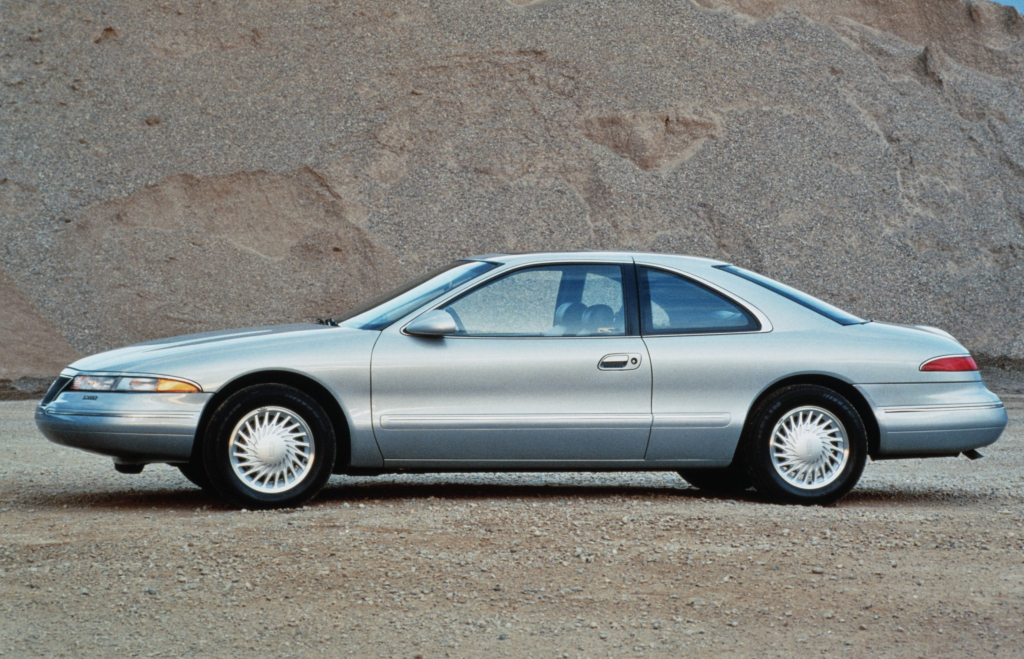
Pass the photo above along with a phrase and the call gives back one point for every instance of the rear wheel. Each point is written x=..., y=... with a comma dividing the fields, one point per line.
x=269, y=446
x=729, y=480
x=805, y=444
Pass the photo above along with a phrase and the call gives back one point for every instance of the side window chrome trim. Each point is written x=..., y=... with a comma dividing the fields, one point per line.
x=500, y=271
x=548, y=338
x=766, y=325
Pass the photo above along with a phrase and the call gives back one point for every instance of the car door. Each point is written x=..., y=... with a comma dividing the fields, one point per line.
x=704, y=347
x=547, y=368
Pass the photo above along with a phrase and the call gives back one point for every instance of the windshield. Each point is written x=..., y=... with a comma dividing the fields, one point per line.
x=381, y=311
x=803, y=299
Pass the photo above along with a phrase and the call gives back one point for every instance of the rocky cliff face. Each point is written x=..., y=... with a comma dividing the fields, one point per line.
x=192, y=166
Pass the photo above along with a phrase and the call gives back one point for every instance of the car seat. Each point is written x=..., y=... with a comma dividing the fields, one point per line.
x=568, y=319
x=598, y=319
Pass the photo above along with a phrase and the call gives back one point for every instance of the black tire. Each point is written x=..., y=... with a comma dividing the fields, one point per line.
x=756, y=449
x=727, y=480
x=196, y=474
x=255, y=399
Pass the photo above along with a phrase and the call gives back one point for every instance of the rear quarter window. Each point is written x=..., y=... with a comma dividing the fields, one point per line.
x=672, y=304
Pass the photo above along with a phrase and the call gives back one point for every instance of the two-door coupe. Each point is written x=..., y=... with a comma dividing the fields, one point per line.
x=560, y=361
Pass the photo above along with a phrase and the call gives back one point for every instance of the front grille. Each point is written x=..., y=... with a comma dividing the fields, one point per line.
x=55, y=388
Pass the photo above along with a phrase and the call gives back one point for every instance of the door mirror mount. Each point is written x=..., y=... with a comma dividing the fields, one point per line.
x=433, y=324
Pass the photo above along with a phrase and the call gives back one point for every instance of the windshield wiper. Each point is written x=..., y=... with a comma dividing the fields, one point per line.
x=330, y=322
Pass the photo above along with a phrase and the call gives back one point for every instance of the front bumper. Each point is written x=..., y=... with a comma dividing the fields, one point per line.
x=935, y=418
x=132, y=427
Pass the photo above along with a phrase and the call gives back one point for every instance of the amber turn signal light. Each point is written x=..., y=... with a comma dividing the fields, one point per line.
x=176, y=386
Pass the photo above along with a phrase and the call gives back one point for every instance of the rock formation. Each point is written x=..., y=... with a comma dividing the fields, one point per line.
x=184, y=167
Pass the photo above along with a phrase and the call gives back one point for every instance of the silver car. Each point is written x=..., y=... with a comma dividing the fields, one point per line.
x=560, y=361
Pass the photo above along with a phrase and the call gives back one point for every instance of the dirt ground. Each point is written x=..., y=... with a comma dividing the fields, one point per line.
x=922, y=559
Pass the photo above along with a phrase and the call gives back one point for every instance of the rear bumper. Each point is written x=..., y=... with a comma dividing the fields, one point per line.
x=137, y=428
x=935, y=418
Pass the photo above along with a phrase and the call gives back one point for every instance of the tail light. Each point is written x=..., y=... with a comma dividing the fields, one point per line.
x=960, y=363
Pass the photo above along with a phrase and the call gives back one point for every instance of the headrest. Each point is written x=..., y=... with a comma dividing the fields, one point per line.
x=569, y=313
x=599, y=315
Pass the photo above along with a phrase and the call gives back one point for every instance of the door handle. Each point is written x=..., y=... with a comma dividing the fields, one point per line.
x=620, y=362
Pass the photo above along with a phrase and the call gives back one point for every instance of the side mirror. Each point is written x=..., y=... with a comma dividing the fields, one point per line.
x=435, y=323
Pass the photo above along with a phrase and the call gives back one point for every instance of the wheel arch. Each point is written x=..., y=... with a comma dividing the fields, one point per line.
x=847, y=390
x=320, y=393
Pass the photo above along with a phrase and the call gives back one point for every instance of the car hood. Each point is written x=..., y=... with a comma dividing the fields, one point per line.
x=156, y=357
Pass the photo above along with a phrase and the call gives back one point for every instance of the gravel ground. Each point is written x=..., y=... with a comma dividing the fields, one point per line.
x=924, y=558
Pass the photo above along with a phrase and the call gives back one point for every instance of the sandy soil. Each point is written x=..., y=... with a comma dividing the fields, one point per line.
x=923, y=559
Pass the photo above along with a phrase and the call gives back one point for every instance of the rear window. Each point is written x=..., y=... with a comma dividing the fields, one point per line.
x=801, y=298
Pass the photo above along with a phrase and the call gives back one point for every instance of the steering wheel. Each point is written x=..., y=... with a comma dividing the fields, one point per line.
x=458, y=321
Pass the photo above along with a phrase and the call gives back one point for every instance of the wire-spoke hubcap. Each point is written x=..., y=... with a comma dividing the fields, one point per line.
x=271, y=450
x=809, y=447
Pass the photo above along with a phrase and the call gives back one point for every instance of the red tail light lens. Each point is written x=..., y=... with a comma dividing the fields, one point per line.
x=965, y=363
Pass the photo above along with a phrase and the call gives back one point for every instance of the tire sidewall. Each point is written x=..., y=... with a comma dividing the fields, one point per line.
x=726, y=481
x=216, y=449
x=759, y=460
x=196, y=474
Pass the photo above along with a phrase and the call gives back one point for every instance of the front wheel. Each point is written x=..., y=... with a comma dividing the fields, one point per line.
x=269, y=446
x=724, y=480
x=805, y=444
x=196, y=474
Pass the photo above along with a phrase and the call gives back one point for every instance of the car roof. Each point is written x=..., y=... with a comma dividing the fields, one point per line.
x=542, y=257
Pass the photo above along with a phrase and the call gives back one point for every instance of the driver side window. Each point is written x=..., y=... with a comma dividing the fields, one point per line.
x=561, y=300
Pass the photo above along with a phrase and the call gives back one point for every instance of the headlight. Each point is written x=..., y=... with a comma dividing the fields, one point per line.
x=93, y=383
x=132, y=383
